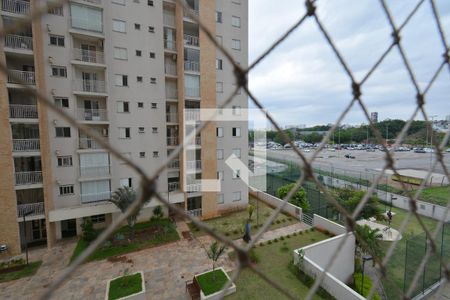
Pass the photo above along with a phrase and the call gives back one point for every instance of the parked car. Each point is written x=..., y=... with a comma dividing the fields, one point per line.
x=448, y=150
x=348, y=155
x=420, y=150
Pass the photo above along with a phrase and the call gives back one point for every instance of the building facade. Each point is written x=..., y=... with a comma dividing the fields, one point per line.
x=135, y=72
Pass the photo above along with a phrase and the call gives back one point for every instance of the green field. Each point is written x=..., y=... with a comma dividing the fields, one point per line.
x=438, y=195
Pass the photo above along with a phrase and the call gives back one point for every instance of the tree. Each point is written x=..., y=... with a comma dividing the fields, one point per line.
x=214, y=253
x=298, y=199
x=89, y=233
x=369, y=241
x=124, y=198
x=157, y=212
x=350, y=199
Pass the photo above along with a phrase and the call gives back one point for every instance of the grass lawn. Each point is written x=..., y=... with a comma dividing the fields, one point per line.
x=438, y=195
x=232, y=224
x=275, y=260
x=393, y=283
x=125, y=286
x=212, y=282
x=166, y=233
x=29, y=270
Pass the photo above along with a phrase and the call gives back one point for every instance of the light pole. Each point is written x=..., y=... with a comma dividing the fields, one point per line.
x=364, y=258
x=387, y=134
x=431, y=139
x=25, y=214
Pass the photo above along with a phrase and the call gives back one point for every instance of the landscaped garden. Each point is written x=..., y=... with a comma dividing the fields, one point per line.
x=17, y=269
x=274, y=258
x=232, y=224
x=143, y=235
x=125, y=286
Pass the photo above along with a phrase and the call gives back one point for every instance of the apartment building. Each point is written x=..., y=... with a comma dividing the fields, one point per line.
x=133, y=71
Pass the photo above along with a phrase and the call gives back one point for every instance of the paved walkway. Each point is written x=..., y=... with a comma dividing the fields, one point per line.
x=166, y=269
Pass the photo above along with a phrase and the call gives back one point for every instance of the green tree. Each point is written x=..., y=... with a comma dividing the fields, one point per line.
x=350, y=199
x=123, y=198
x=298, y=199
x=88, y=232
x=214, y=253
x=279, y=138
x=369, y=241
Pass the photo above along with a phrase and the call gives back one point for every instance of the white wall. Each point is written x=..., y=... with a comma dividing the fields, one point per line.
x=289, y=208
x=323, y=223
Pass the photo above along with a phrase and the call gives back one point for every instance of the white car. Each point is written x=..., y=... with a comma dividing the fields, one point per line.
x=306, y=150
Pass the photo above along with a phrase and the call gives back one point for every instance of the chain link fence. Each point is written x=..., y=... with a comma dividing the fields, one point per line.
x=356, y=99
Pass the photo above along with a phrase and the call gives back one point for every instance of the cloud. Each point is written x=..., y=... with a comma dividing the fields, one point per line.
x=302, y=81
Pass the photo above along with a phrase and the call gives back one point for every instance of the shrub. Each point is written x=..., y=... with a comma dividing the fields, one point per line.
x=288, y=236
x=284, y=249
x=235, y=231
x=269, y=242
x=294, y=234
x=275, y=240
x=261, y=244
x=227, y=233
x=157, y=213
x=298, y=199
x=301, y=232
x=89, y=234
x=278, y=221
x=313, y=229
x=282, y=238
x=290, y=219
x=367, y=285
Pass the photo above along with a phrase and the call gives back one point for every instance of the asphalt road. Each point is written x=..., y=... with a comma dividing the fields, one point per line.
x=365, y=161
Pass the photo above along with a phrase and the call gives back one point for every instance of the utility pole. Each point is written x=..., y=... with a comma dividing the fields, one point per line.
x=431, y=139
x=387, y=133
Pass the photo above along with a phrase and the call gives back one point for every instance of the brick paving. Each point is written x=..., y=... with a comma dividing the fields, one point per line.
x=166, y=269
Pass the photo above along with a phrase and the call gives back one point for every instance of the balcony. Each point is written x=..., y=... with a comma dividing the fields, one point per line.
x=171, y=92
x=36, y=209
x=94, y=197
x=195, y=212
x=173, y=186
x=95, y=171
x=21, y=111
x=19, y=42
x=170, y=45
x=192, y=114
x=169, y=18
x=26, y=145
x=100, y=115
x=193, y=187
x=172, y=141
x=89, y=86
x=174, y=164
x=89, y=143
x=172, y=117
x=170, y=68
x=21, y=77
x=193, y=92
x=16, y=6
x=96, y=2
x=88, y=56
x=30, y=177
x=194, y=165
x=191, y=66
x=191, y=40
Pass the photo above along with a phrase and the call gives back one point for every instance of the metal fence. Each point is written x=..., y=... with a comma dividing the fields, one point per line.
x=355, y=94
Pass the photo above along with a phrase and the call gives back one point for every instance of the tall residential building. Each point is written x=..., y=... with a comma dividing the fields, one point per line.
x=133, y=71
x=374, y=117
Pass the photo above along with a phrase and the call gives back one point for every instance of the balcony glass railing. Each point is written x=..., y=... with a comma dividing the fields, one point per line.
x=192, y=66
x=19, y=42
x=16, y=6
x=172, y=141
x=20, y=111
x=85, y=114
x=174, y=164
x=93, y=86
x=89, y=56
x=30, y=177
x=191, y=40
x=170, y=68
x=26, y=145
x=170, y=45
x=31, y=209
x=171, y=93
x=192, y=114
x=193, y=165
x=173, y=186
x=172, y=117
x=89, y=143
x=21, y=77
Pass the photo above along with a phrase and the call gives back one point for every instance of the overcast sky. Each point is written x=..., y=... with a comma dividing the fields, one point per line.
x=301, y=82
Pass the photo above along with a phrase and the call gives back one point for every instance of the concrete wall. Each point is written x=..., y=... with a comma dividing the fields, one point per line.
x=323, y=223
x=273, y=201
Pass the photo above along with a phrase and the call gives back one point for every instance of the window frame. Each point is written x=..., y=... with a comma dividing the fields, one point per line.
x=118, y=21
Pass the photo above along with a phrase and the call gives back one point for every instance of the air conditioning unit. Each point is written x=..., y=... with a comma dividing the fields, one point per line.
x=105, y=132
x=174, y=57
x=57, y=152
x=53, y=92
x=3, y=248
x=49, y=28
x=50, y=60
x=58, y=182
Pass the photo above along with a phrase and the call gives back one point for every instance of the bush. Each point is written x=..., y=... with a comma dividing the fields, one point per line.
x=227, y=233
x=235, y=231
x=283, y=220
x=157, y=212
x=261, y=244
x=298, y=199
x=282, y=238
x=288, y=236
x=284, y=249
x=367, y=285
x=308, y=281
x=269, y=242
x=358, y=268
x=89, y=234
x=294, y=234
x=275, y=240
x=278, y=221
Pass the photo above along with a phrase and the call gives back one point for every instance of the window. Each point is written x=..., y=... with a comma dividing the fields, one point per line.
x=154, y=105
x=85, y=17
x=219, y=64
x=124, y=132
x=66, y=190
x=151, y=29
x=219, y=39
x=121, y=80
x=119, y=26
x=65, y=161
x=237, y=152
x=220, y=175
x=236, y=44
x=123, y=106
x=121, y=2
x=150, y=2
x=220, y=199
x=58, y=71
x=236, y=174
x=57, y=40
x=154, y=129
x=219, y=154
x=62, y=102
x=236, y=196
x=138, y=53
x=126, y=182
x=153, y=80
x=120, y=53
x=236, y=131
x=219, y=131
x=139, y=79
x=236, y=110
x=219, y=87
x=58, y=11
x=218, y=16
x=235, y=21
x=142, y=154
x=62, y=132
x=152, y=55
x=140, y=104
x=93, y=191
x=97, y=219
x=137, y=26
x=141, y=129
x=155, y=154
x=192, y=86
